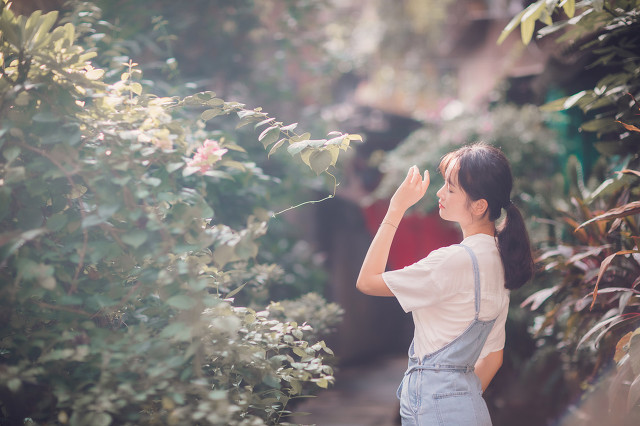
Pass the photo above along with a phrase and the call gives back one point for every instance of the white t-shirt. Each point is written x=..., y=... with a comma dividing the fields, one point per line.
x=439, y=292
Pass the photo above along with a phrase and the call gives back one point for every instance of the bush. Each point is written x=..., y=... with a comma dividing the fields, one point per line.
x=121, y=249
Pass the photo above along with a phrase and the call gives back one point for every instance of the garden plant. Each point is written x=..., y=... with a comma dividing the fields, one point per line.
x=133, y=282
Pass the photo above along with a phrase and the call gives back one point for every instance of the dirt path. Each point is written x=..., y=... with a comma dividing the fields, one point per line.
x=363, y=395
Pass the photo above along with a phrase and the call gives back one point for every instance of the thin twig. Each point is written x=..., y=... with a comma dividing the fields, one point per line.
x=62, y=308
x=328, y=197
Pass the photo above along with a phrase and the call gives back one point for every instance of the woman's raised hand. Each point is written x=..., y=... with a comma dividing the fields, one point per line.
x=411, y=190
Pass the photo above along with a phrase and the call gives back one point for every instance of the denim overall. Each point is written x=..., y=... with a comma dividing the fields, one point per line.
x=442, y=388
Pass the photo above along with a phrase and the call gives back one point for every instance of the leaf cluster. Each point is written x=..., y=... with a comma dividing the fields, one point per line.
x=594, y=304
x=119, y=263
x=593, y=307
x=606, y=31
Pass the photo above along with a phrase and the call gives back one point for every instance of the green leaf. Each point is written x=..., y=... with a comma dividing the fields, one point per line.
x=323, y=383
x=573, y=99
x=205, y=96
x=152, y=181
x=11, y=153
x=235, y=291
x=512, y=25
x=555, y=105
x=22, y=239
x=275, y=147
x=297, y=147
x=57, y=221
x=263, y=122
x=10, y=30
x=188, y=171
x=244, y=121
x=569, y=7
x=269, y=136
x=181, y=301
x=93, y=220
x=177, y=330
x=172, y=167
x=289, y=127
x=271, y=381
x=14, y=385
x=210, y=113
x=320, y=161
x=246, y=249
x=335, y=153
x=96, y=74
x=135, y=238
x=108, y=210
x=336, y=141
x=300, y=352
x=303, y=137
x=215, y=102
x=134, y=87
x=526, y=30
x=44, y=25
x=224, y=254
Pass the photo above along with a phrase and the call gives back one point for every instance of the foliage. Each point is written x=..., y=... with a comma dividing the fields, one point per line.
x=121, y=249
x=607, y=31
x=309, y=308
x=592, y=308
x=593, y=305
x=261, y=52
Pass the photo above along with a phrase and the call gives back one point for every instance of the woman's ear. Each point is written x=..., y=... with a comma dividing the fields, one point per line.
x=479, y=207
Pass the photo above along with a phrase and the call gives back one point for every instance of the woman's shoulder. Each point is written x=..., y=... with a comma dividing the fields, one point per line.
x=450, y=256
x=481, y=241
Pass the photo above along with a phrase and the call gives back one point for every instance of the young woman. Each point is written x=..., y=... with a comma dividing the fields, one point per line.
x=458, y=295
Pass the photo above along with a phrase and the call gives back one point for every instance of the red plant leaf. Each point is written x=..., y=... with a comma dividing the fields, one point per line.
x=538, y=298
x=629, y=127
x=622, y=211
x=603, y=267
x=620, y=351
x=614, y=319
x=629, y=172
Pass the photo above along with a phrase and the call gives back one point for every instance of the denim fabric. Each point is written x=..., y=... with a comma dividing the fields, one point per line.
x=441, y=388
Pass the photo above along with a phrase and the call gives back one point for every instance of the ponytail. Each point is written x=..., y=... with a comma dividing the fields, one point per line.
x=515, y=249
x=484, y=173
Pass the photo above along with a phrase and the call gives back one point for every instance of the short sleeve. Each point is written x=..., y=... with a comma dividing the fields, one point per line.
x=496, y=339
x=428, y=281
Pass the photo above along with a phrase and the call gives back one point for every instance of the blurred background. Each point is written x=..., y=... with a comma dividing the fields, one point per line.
x=416, y=78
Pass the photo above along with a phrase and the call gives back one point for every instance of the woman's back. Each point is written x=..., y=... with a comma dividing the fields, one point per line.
x=439, y=291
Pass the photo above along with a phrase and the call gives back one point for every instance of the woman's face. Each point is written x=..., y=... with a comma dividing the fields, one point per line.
x=452, y=200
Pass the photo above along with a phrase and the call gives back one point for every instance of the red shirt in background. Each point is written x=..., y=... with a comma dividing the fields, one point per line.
x=416, y=236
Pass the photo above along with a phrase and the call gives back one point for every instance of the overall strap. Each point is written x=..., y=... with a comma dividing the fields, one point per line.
x=441, y=367
x=476, y=277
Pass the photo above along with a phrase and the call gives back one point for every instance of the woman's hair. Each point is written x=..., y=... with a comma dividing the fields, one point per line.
x=484, y=173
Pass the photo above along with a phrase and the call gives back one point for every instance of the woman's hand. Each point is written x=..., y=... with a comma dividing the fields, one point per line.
x=370, y=279
x=410, y=191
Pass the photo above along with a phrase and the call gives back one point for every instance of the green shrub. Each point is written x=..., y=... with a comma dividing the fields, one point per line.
x=121, y=249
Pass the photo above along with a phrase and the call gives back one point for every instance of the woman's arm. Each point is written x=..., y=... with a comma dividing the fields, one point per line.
x=410, y=191
x=488, y=366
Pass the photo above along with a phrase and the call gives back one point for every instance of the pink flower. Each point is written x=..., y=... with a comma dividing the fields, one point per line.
x=208, y=154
